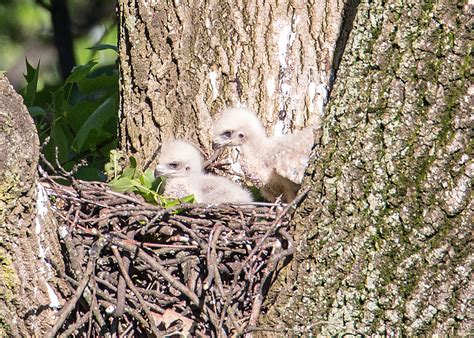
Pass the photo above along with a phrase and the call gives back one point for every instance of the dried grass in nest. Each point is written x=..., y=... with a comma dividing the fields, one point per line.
x=136, y=269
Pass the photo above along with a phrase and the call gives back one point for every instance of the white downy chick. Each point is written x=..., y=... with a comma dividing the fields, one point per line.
x=274, y=164
x=178, y=160
x=181, y=163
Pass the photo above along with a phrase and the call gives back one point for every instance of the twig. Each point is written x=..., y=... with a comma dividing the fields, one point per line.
x=212, y=158
x=257, y=247
x=132, y=287
x=69, y=306
x=152, y=158
x=159, y=268
x=76, y=326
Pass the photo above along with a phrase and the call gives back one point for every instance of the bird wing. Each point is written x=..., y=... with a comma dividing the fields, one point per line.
x=216, y=189
x=291, y=154
x=178, y=188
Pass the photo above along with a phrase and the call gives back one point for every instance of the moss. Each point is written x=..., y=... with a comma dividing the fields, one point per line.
x=427, y=5
x=8, y=272
x=4, y=328
x=8, y=187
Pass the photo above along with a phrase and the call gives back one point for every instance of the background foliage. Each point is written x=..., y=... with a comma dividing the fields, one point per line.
x=77, y=113
x=79, y=117
x=26, y=31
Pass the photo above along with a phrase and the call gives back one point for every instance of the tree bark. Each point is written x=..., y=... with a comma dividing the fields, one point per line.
x=385, y=235
x=27, y=230
x=181, y=62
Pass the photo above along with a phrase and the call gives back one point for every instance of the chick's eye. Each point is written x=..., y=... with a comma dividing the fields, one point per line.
x=173, y=165
x=241, y=135
x=227, y=134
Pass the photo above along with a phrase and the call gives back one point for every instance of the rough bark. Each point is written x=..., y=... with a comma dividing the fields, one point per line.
x=386, y=232
x=183, y=61
x=27, y=231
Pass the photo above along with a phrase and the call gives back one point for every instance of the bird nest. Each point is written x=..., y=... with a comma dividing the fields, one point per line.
x=137, y=269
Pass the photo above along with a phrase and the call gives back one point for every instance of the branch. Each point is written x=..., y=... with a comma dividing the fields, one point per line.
x=70, y=305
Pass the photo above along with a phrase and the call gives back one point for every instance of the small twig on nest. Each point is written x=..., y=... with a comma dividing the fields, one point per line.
x=212, y=158
x=69, y=306
x=132, y=287
x=157, y=267
x=152, y=158
x=68, y=333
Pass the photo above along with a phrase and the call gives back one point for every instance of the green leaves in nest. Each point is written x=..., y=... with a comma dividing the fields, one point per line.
x=133, y=179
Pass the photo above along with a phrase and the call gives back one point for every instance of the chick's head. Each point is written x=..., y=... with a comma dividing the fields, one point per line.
x=178, y=159
x=235, y=127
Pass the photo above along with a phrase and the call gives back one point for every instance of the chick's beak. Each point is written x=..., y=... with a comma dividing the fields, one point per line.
x=215, y=145
x=160, y=170
x=219, y=143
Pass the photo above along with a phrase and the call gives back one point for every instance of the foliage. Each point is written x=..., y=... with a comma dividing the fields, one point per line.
x=132, y=179
x=79, y=116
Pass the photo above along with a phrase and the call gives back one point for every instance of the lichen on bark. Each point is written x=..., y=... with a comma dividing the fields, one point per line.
x=384, y=235
x=26, y=235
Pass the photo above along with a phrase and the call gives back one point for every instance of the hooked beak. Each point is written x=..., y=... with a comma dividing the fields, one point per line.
x=216, y=146
x=218, y=143
x=161, y=170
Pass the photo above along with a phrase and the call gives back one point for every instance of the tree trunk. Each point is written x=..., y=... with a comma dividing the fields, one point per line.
x=27, y=230
x=181, y=62
x=385, y=235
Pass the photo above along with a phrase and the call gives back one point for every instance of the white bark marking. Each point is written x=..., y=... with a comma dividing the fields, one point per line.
x=270, y=86
x=41, y=207
x=53, y=299
x=285, y=40
x=215, y=89
x=279, y=128
x=45, y=271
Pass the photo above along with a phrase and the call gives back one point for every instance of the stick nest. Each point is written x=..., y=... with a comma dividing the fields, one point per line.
x=135, y=269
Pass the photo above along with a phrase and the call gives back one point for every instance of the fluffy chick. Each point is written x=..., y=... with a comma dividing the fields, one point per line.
x=274, y=164
x=181, y=163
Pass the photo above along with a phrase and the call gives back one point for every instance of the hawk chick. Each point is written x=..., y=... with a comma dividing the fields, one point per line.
x=274, y=164
x=181, y=163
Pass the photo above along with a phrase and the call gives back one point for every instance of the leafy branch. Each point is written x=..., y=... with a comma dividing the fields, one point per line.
x=130, y=178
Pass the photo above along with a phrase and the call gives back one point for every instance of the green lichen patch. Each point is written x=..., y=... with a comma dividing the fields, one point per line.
x=8, y=277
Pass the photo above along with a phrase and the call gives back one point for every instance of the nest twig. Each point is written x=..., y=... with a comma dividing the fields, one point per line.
x=139, y=269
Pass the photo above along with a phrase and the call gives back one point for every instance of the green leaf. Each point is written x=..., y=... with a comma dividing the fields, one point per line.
x=150, y=198
x=159, y=184
x=123, y=184
x=188, y=199
x=31, y=76
x=77, y=114
x=36, y=111
x=148, y=178
x=89, y=174
x=80, y=72
x=59, y=102
x=101, y=84
x=103, y=46
x=92, y=129
x=169, y=203
x=62, y=140
x=129, y=172
x=112, y=168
